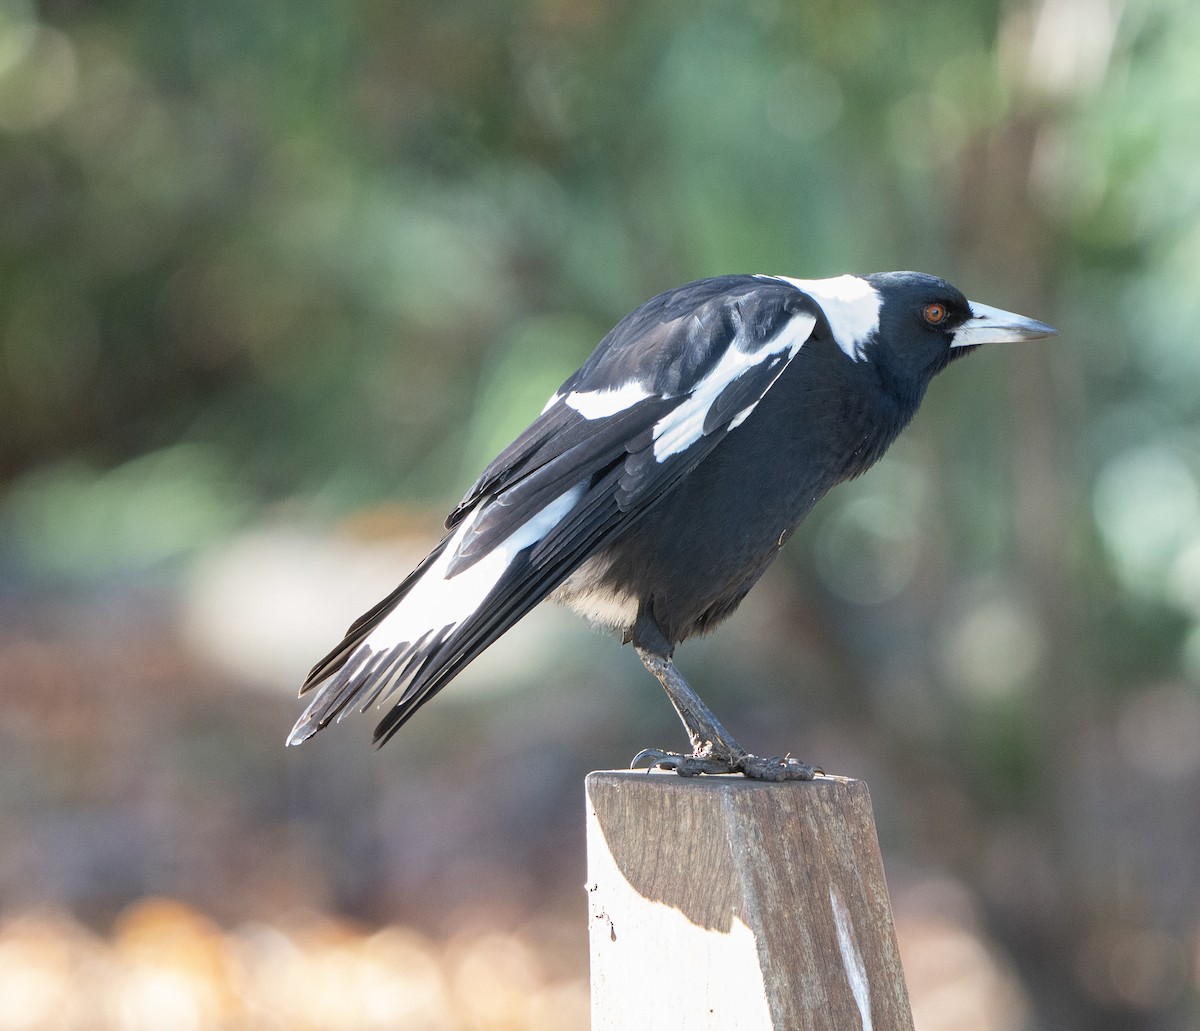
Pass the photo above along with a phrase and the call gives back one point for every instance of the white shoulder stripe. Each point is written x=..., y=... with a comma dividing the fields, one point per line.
x=851, y=306
x=596, y=404
x=681, y=428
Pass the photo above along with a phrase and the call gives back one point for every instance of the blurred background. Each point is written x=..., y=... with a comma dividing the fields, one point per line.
x=277, y=280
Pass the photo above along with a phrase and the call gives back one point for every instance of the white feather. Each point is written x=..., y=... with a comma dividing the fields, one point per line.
x=684, y=426
x=596, y=602
x=436, y=601
x=851, y=306
x=596, y=404
x=743, y=415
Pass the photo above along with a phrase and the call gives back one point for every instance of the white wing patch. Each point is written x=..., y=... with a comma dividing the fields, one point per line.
x=743, y=415
x=684, y=426
x=437, y=601
x=597, y=404
x=851, y=305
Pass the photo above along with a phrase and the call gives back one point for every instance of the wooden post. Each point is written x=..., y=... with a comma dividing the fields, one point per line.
x=721, y=902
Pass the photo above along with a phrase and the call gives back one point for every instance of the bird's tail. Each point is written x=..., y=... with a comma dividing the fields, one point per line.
x=426, y=631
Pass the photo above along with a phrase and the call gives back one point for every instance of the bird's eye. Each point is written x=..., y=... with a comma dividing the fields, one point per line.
x=934, y=313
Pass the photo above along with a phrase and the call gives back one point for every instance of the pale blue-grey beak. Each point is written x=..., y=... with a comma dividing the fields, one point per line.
x=988, y=325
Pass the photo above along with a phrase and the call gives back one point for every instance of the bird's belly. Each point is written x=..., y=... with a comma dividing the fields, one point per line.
x=588, y=592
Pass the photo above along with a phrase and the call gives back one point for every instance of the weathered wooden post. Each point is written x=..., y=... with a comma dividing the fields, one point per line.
x=721, y=902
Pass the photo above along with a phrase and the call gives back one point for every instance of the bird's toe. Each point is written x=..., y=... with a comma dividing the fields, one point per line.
x=777, y=767
x=651, y=756
x=684, y=765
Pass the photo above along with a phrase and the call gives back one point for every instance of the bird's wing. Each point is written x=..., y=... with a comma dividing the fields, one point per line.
x=658, y=394
x=687, y=366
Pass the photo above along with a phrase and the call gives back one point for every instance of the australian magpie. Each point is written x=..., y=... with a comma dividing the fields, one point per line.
x=661, y=480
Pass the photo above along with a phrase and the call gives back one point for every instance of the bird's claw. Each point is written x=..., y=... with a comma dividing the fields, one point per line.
x=684, y=765
x=752, y=766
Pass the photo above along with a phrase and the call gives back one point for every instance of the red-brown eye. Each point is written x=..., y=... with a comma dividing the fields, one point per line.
x=934, y=313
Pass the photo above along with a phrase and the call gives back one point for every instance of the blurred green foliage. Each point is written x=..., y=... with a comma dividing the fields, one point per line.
x=309, y=258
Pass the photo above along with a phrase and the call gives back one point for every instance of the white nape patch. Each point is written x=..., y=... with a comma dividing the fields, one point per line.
x=596, y=404
x=680, y=429
x=851, y=305
x=436, y=601
x=551, y=403
x=583, y=592
x=852, y=961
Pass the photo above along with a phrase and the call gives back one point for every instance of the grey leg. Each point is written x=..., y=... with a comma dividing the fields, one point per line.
x=713, y=748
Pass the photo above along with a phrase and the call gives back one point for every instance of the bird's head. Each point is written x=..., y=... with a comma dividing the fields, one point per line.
x=924, y=323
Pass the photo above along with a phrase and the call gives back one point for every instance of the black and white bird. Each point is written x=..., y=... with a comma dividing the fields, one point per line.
x=661, y=480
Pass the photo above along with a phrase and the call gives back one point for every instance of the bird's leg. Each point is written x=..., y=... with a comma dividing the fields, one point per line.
x=713, y=748
x=707, y=734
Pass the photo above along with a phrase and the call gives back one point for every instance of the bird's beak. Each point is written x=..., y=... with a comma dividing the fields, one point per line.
x=988, y=325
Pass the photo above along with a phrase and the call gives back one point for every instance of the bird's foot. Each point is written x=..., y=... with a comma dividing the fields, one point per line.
x=778, y=767
x=755, y=767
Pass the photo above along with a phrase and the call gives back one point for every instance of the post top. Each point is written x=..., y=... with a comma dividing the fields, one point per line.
x=823, y=785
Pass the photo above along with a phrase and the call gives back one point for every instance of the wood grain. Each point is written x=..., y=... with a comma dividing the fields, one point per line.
x=719, y=902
